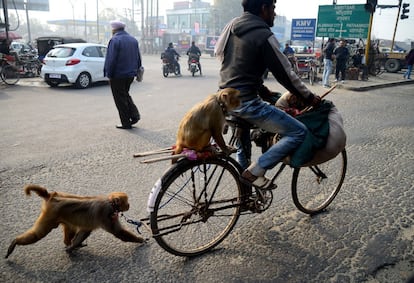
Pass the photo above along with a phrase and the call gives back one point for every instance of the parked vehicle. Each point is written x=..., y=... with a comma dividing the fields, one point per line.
x=46, y=43
x=211, y=44
x=21, y=48
x=76, y=63
x=394, y=62
x=305, y=67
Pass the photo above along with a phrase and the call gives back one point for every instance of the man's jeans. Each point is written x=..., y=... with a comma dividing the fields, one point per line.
x=274, y=120
x=327, y=68
x=407, y=74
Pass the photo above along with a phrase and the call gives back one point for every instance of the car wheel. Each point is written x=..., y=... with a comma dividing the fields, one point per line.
x=83, y=81
x=52, y=83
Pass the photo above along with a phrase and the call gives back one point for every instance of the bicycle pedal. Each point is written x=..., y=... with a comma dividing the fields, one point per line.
x=269, y=188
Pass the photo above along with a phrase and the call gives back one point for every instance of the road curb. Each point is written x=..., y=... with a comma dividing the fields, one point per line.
x=376, y=86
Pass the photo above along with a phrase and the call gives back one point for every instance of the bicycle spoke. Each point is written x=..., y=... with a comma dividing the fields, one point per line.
x=197, y=207
x=315, y=187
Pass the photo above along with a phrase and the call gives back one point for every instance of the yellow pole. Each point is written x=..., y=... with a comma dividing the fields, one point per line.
x=368, y=47
x=396, y=24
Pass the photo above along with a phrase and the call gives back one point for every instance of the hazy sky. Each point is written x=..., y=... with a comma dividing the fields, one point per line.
x=383, y=25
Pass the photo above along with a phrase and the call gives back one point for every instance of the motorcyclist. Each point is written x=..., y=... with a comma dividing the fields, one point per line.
x=194, y=52
x=172, y=56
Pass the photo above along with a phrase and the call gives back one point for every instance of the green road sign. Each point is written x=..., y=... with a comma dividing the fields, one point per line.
x=342, y=21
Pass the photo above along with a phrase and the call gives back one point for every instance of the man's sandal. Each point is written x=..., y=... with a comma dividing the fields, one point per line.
x=259, y=182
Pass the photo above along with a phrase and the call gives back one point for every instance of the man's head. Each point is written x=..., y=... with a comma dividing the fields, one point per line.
x=192, y=43
x=341, y=43
x=117, y=26
x=262, y=8
x=170, y=45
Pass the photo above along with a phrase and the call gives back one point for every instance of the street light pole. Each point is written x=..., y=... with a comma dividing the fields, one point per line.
x=84, y=6
x=73, y=17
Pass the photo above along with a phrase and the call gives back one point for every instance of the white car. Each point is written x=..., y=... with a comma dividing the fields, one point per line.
x=77, y=63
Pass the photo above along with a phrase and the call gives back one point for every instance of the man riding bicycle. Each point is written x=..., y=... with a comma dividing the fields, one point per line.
x=246, y=48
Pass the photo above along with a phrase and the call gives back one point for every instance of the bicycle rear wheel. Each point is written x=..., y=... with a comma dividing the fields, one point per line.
x=315, y=187
x=197, y=206
x=10, y=75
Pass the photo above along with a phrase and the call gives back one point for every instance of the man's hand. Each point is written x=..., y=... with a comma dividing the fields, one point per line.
x=316, y=100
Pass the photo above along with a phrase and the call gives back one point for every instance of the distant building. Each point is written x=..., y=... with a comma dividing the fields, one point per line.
x=190, y=17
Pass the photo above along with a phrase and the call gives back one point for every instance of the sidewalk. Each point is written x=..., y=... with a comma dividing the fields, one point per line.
x=374, y=82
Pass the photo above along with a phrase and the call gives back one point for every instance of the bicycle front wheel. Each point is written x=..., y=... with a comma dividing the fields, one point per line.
x=197, y=206
x=315, y=187
x=10, y=75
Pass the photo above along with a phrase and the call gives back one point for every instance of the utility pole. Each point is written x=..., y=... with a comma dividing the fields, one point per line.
x=6, y=19
x=396, y=24
x=370, y=7
x=27, y=20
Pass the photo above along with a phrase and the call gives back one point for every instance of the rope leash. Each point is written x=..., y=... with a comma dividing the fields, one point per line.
x=138, y=224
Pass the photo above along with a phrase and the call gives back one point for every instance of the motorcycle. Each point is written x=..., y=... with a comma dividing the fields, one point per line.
x=169, y=67
x=194, y=61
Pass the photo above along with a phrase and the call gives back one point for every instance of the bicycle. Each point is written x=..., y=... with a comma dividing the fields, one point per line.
x=29, y=64
x=376, y=68
x=9, y=74
x=196, y=203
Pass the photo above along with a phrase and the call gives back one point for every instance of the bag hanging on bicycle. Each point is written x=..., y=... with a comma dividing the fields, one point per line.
x=326, y=137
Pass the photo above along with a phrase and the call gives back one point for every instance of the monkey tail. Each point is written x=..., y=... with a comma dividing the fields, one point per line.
x=40, y=191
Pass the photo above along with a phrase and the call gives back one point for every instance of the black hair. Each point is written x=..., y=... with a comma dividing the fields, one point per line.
x=255, y=6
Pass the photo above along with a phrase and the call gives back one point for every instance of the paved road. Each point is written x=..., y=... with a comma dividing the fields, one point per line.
x=65, y=139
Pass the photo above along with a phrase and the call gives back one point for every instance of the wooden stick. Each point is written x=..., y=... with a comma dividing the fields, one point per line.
x=163, y=158
x=323, y=95
x=154, y=152
x=329, y=90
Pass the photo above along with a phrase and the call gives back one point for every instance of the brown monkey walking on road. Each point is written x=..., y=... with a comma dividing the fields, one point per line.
x=79, y=216
x=206, y=120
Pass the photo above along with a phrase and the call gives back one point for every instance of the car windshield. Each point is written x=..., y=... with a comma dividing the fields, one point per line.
x=61, y=52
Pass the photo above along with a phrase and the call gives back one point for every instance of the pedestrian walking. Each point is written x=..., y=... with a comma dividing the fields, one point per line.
x=410, y=62
x=122, y=61
x=341, y=56
x=328, y=56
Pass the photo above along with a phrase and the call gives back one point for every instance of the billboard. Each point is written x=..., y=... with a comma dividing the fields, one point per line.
x=34, y=5
x=303, y=29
